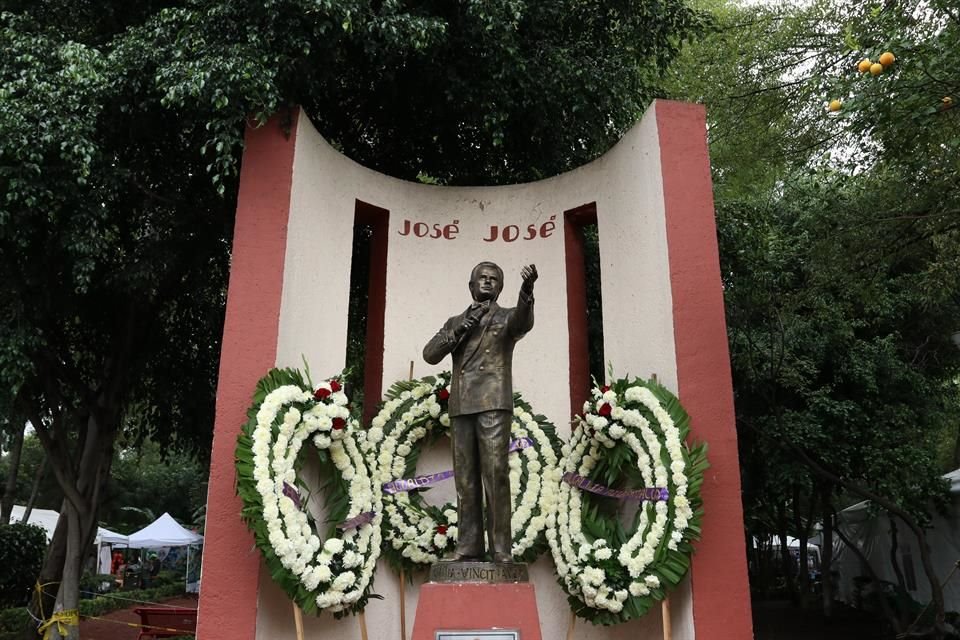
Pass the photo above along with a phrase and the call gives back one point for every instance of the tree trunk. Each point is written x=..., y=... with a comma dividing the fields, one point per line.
x=801, y=527
x=43, y=602
x=878, y=588
x=786, y=561
x=68, y=596
x=34, y=490
x=759, y=576
x=803, y=568
x=81, y=483
x=956, y=451
x=894, y=547
x=826, y=556
x=936, y=589
x=10, y=489
x=766, y=564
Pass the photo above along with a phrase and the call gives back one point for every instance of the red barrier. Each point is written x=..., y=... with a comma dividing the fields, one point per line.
x=166, y=622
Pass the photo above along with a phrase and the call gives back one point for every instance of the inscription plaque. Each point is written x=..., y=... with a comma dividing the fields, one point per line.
x=498, y=634
x=485, y=572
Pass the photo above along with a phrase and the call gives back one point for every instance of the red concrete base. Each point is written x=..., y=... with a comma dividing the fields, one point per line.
x=476, y=607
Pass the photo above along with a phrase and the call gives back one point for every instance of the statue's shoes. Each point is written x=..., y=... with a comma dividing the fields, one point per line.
x=502, y=558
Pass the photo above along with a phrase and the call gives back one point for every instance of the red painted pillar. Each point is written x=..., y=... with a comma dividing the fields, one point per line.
x=231, y=564
x=721, y=591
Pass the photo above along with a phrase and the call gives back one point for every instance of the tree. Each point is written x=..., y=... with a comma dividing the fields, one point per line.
x=120, y=132
x=144, y=485
x=14, y=436
x=839, y=249
x=114, y=261
x=34, y=487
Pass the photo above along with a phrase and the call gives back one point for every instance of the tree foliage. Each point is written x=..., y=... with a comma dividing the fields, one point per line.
x=21, y=554
x=838, y=235
x=120, y=134
x=473, y=92
x=144, y=479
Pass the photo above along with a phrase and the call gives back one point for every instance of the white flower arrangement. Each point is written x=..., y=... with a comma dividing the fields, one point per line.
x=632, y=428
x=642, y=425
x=417, y=534
x=336, y=573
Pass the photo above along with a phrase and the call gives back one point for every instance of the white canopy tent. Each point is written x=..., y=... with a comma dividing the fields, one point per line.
x=47, y=518
x=167, y=532
x=163, y=532
x=871, y=532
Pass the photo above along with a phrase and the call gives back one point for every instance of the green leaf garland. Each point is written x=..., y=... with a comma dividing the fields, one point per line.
x=417, y=534
x=336, y=573
x=632, y=435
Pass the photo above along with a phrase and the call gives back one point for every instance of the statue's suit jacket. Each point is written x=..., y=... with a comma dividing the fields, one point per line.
x=483, y=357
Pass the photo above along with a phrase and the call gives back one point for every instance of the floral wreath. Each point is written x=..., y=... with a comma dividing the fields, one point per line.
x=633, y=432
x=335, y=574
x=418, y=534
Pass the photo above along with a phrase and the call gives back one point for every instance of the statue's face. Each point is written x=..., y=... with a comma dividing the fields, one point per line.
x=485, y=284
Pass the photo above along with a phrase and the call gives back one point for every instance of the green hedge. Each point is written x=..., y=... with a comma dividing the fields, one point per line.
x=21, y=555
x=12, y=623
x=112, y=602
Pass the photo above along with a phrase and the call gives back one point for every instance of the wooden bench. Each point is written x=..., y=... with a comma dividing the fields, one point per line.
x=166, y=622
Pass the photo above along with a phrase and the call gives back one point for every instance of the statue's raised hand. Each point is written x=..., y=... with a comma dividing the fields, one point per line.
x=529, y=275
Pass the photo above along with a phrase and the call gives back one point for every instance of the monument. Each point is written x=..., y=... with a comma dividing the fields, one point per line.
x=650, y=199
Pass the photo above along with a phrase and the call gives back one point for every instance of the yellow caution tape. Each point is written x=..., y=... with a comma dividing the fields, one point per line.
x=63, y=619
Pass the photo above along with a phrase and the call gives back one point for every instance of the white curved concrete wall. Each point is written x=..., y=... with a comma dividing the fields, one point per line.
x=427, y=282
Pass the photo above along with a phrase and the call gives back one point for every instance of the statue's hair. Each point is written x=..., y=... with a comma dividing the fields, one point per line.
x=492, y=265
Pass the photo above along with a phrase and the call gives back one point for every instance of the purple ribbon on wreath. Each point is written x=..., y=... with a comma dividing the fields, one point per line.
x=357, y=521
x=409, y=484
x=652, y=494
x=399, y=486
x=291, y=492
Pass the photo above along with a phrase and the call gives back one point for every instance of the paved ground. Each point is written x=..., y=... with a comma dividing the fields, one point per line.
x=772, y=620
x=124, y=624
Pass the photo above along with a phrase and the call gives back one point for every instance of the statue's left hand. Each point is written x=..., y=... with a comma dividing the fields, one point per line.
x=529, y=275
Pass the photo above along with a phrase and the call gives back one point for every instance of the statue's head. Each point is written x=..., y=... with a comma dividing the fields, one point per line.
x=486, y=281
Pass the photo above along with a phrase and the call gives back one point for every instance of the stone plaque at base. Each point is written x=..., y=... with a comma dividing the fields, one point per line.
x=473, y=634
x=484, y=572
x=452, y=607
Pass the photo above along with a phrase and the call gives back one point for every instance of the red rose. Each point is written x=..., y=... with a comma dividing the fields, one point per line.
x=442, y=529
x=321, y=393
x=444, y=394
x=605, y=388
x=335, y=385
x=605, y=409
x=339, y=423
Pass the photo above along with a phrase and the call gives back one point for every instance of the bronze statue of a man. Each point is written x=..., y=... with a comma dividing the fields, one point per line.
x=481, y=340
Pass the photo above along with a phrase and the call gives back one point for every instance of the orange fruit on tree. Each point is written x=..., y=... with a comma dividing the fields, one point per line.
x=864, y=65
x=835, y=105
x=876, y=68
x=887, y=58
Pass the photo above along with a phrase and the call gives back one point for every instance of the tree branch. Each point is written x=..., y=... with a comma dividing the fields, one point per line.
x=877, y=586
x=935, y=589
